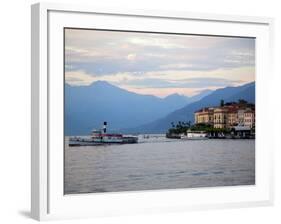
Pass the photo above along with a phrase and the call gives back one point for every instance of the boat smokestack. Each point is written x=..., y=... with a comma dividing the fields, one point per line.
x=104, y=127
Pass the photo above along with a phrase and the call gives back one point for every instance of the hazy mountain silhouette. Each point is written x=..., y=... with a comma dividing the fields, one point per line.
x=228, y=94
x=86, y=107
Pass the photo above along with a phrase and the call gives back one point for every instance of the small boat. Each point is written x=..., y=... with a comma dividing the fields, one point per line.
x=101, y=137
x=195, y=135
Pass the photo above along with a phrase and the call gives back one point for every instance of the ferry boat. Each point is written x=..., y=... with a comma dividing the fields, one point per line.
x=195, y=135
x=101, y=137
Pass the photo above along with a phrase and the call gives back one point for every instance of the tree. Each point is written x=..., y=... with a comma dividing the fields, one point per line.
x=241, y=101
x=222, y=102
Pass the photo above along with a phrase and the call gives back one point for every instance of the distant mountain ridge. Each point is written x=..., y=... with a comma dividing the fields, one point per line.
x=86, y=107
x=228, y=94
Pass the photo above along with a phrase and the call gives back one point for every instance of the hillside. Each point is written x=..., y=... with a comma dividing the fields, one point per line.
x=246, y=92
x=86, y=107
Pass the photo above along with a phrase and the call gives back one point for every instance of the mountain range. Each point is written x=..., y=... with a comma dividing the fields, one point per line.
x=228, y=94
x=86, y=107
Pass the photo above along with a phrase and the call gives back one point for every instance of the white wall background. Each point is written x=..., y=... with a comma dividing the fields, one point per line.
x=15, y=110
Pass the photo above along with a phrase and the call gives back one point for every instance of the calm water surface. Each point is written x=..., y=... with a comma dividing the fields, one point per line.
x=159, y=163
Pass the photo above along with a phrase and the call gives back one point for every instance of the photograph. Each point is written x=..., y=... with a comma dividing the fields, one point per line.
x=157, y=111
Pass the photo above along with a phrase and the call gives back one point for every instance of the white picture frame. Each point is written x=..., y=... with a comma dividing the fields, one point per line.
x=47, y=199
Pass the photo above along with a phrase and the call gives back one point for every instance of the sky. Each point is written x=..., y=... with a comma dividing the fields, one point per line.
x=158, y=64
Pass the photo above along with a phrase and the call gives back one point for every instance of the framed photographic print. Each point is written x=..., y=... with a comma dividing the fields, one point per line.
x=148, y=111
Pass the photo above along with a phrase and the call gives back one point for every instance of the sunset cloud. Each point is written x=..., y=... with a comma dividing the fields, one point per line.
x=158, y=64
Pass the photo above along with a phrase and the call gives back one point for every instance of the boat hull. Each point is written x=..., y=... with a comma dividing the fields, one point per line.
x=80, y=141
x=195, y=136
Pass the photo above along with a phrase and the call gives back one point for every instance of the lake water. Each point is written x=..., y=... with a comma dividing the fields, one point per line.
x=159, y=163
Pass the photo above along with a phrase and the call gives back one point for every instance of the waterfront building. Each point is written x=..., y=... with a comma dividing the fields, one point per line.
x=227, y=116
x=220, y=117
x=205, y=116
x=240, y=115
x=249, y=118
x=232, y=117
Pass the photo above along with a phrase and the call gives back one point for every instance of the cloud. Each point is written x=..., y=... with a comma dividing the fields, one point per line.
x=131, y=57
x=154, y=40
x=177, y=66
x=184, y=82
x=94, y=49
x=145, y=60
x=163, y=92
x=79, y=78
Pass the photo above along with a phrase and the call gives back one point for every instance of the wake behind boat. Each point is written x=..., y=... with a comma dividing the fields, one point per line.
x=101, y=137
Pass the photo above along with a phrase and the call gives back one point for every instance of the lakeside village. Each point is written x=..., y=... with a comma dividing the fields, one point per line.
x=231, y=120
